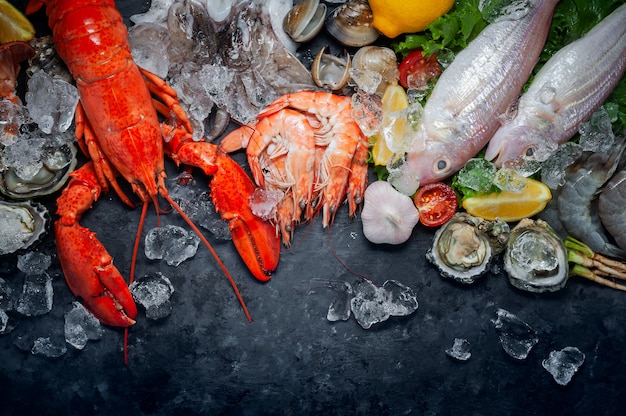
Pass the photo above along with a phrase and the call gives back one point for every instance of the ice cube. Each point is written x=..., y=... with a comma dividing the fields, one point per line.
x=564, y=364
x=596, y=134
x=51, y=102
x=36, y=296
x=477, y=174
x=460, y=350
x=371, y=304
x=400, y=299
x=81, y=326
x=34, y=263
x=339, y=309
x=6, y=325
x=171, y=243
x=48, y=348
x=366, y=80
x=553, y=169
x=367, y=304
x=153, y=292
x=263, y=202
x=6, y=299
x=516, y=336
x=367, y=112
x=149, y=43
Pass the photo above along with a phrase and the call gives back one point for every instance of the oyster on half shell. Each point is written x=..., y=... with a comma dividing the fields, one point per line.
x=463, y=247
x=22, y=224
x=536, y=258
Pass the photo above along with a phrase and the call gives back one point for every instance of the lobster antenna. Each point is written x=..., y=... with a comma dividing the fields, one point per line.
x=215, y=256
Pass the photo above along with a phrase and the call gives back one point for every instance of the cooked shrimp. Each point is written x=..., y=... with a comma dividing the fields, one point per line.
x=339, y=133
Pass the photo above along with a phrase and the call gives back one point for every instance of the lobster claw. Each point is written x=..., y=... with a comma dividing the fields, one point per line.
x=255, y=239
x=86, y=264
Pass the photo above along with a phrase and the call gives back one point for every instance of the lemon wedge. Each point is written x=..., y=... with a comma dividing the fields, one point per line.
x=393, y=126
x=510, y=206
x=14, y=26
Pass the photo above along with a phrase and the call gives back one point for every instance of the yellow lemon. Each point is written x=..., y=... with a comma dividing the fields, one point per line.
x=394, y=17
x=510, y=206
x=393, y=129
x=14, y=25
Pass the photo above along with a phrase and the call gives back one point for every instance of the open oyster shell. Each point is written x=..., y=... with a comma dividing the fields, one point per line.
x=536, y=258
x=464, y=246
x=22, y=224
x=52, y=175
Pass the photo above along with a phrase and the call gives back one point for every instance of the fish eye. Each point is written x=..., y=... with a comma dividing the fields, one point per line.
x=530, y=151
x=441, y=166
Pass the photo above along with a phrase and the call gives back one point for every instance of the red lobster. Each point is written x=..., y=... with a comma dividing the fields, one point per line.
x=117, y=126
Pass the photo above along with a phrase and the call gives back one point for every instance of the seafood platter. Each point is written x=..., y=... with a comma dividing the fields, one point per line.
x=294, y=207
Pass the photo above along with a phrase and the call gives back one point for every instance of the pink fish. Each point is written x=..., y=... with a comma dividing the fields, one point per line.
x=481, y=83
x=567, y=90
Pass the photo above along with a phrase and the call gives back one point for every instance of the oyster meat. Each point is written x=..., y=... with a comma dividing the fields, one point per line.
x=22, y=224
x=464, y=246
x=536, y=258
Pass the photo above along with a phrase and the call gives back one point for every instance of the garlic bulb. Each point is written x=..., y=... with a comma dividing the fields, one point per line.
x=388, y=216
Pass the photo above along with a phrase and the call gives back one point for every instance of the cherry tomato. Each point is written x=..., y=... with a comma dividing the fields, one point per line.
x=416, y=70
x=436, y=202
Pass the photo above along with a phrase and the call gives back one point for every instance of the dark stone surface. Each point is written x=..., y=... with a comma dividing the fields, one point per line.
x=207, y=359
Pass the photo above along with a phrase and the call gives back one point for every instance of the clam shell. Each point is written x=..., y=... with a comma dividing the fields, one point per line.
x=330, y=71
x=305, y=20
x=352, y=24
x=22, y=224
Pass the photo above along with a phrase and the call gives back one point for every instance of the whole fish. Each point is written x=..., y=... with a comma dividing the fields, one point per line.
x=481, y=83
x=567, y=90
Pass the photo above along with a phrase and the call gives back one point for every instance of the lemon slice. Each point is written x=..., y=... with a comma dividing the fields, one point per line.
x=510, y=206
x=14, y=26
x=393, y=125
x=380, y=152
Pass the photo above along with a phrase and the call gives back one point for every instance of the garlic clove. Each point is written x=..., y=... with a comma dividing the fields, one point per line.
x=388, y=216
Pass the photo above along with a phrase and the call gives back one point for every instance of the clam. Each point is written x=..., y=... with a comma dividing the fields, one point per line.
x=352, y=24
x=22, y=224
x=331, y=71
x=379, y=60
x=464, y=247
x=53, y=174
x=305, y=20
x=536, y=258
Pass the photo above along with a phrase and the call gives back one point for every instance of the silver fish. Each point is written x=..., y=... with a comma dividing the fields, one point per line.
x=567, y=90
x=480, y=84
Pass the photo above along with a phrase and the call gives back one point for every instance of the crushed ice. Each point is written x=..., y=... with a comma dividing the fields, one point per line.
x=81, y=326
x=37, y=295
x=48, y=347
x=460, y=350
x=564, y=364
x=370, y=304
x=171, y=243
x=516, y=336
x=153, y=292
x=51, y=102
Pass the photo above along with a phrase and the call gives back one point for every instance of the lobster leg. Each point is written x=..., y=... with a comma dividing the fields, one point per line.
x=256, y=239
x=87, y=266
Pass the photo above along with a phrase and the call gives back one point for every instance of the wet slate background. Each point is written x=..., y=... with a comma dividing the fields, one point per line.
x=207, y=359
